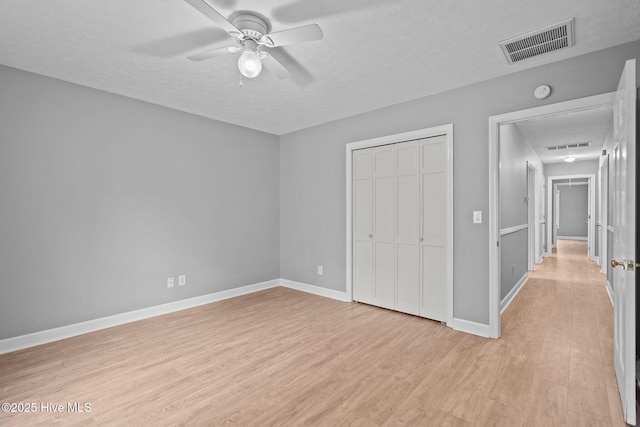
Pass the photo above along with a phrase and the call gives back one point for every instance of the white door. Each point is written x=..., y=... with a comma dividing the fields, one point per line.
x=556, y=215
x=383, y=226
x=399, y=221
x=623, y=165
x=531, y=216
x=407, y=228
x=604, y=209
x=590, y=237
x=541, y=219
x=433, y=239
x=363, y=225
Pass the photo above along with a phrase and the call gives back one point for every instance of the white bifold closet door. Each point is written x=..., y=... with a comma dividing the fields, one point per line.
x=399, y=227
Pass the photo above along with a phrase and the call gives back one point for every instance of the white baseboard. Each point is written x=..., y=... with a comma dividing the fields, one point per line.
x=609, y=292
x=512, y=293
x=42, y=337
x=316, y=290
x=580, y=238
x=470, y=327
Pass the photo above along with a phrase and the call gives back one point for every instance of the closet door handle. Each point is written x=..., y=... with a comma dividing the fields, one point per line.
x=370, y=235
x=421, y=239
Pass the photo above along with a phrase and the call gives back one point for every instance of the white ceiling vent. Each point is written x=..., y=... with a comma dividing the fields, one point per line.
x=566, y=147
x=544, y=40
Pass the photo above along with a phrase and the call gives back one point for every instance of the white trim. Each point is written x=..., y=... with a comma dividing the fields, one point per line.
x=532, y=208
x=609, y=292
x=512, y=293
x=566, y=184
x=446, y=130
x=539, y=260
x=316, y=290
x=42, y=337
x=603, y=209
x=580, y=238
x=597, y=259
x=470, y=327
x=509, y=230
x=549, y=110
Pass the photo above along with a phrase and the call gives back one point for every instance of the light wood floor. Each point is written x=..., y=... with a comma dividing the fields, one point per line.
x=282, y=357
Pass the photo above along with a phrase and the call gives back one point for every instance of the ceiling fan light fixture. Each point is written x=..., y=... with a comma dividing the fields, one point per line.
x=249, y=63
x=569, y=159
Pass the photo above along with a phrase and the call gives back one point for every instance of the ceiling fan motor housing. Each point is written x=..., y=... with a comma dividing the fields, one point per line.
x=252, y=26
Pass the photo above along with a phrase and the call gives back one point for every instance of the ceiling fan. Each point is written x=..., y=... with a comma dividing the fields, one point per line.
x=251, y=34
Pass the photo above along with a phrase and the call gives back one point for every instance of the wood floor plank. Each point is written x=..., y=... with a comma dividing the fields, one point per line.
x=283, y=357
x=547, y=406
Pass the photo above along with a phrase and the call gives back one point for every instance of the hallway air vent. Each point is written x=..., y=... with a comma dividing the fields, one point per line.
x=535, y=43
x=566, y=147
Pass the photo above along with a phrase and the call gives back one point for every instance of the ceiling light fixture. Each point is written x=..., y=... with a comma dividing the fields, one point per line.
x=249, y=63
x=569, y=159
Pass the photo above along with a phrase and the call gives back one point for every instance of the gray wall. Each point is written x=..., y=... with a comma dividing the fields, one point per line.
x=515, y=153
x=573, y=211
x=585, y=167
x=312, y=173
x=103, y=197
x=513, y=177
x=513, y=260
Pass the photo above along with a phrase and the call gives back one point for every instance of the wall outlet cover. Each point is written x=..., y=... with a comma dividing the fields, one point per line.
x=170, y=282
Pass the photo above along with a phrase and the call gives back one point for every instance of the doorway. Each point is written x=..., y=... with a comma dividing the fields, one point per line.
x=622, y=189
x=548, y=111
x=573, y=218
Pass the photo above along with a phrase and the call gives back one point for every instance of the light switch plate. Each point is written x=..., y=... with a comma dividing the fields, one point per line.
x=182, y=280
x=477, y=217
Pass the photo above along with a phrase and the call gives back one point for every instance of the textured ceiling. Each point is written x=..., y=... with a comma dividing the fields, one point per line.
x=570, y=128
x=374, y=53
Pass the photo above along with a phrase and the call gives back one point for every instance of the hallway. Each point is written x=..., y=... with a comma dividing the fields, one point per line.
x=559, y=331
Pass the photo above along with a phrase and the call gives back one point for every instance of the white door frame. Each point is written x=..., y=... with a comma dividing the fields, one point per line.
x=591, y=230
x=555, y=217
x=446, y=130
x=531, y=216
x=581, y=104
x=603, y=206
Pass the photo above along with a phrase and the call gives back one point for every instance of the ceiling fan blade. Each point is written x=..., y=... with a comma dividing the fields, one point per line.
x=212, y=52
x=306, y=33
x=275, y=66
x=207, y=10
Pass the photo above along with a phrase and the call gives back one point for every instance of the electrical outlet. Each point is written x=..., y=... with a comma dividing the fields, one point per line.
x=182, y=280
x=170, y=282
x=320, y=270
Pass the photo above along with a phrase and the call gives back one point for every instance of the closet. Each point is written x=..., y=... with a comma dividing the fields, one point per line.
x=399, y=226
